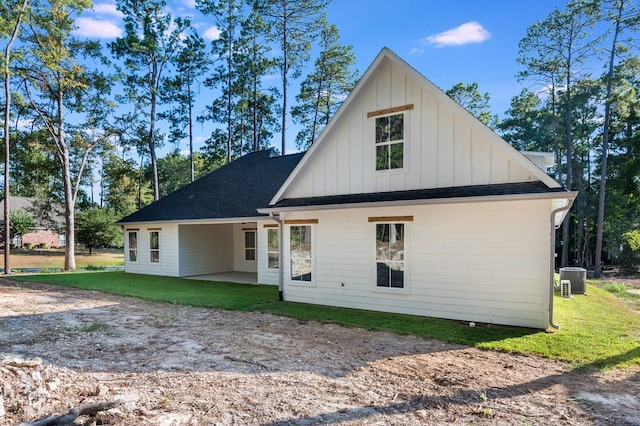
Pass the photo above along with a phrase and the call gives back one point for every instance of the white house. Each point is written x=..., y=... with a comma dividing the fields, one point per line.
x=406, y=203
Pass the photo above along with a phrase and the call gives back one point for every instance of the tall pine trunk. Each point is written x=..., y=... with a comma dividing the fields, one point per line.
x=605, y=147
x=566, y=225
x=7, y=139
x=152, y=136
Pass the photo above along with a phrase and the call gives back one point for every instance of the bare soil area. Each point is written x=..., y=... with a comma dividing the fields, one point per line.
x=174, y=365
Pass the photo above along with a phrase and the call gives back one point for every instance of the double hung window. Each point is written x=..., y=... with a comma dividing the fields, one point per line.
x=133, y=246
x=390, y=142
x=250, y=245
x=154, y=246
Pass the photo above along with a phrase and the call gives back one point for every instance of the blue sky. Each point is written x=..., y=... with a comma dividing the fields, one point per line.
x=447, y=41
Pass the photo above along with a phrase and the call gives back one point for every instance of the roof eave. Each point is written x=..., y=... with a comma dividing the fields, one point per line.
x=569, y=195
x=205, y=221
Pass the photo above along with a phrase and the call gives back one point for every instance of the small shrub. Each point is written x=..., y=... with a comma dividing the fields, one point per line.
x=28, y=246
x=43, y=245
x=95, y=268
x=630, y=255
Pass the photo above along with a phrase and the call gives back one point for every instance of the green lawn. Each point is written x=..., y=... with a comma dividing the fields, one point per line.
x=598, y=331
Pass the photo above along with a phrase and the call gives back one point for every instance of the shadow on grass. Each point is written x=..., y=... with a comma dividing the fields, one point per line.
x=603, y=364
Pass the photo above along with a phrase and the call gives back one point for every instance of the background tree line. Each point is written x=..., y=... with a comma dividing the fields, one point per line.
x=77, y=111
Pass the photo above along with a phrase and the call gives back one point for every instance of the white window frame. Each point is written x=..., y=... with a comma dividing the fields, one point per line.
x=403, y=142
x=291, y=258
x=130, y=249
x=275, y=252
x=153, y=249
x=405, y=261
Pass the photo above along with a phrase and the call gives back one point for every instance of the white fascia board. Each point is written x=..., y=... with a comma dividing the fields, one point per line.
x=568, y=196
x=561, y=203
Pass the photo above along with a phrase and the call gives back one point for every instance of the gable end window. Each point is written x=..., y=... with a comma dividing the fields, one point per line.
x=154, y=246
x=390, y=255
x=133, y=246
x=390, y=142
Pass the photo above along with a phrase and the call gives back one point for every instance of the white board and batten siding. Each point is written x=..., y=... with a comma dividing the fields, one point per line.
x=168, y=253
x=490, y=269
x=444, y=145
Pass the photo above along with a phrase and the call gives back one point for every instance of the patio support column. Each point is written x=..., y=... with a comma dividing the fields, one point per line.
x=276, y=217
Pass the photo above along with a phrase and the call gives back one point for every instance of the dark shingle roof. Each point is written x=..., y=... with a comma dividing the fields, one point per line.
x=237, y=189
x=46, y=213
x=423, y=194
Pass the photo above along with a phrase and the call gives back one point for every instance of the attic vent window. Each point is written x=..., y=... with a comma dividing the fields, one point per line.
x=390, y=142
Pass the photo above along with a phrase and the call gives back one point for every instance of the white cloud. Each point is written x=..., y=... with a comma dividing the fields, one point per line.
x=107, y=9
x=191, y=4
x=470, y=32
x=97, y=28
x=212, y=33
x=24, y=124
x=416, y=51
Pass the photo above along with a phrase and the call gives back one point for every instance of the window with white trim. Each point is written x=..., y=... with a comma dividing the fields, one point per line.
x=300, y=253
x=273, y=248
x=390, y=255
x=250, y=245
x=133, y=246
x=154, y=246
x=390, y=142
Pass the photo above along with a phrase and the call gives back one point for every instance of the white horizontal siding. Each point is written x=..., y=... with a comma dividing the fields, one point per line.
x=206, y=249
x=240, y=263
x=168, y=243
x=266, y=275
x=483, y=262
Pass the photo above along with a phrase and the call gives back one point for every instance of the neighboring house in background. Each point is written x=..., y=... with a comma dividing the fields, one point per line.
x=43, y=232
x=406, y=203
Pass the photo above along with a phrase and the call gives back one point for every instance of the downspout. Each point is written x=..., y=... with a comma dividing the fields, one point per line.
x=552, y=265
x=276, y=217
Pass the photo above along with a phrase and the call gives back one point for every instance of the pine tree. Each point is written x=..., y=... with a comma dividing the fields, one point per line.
x=324, y=90
x=293, y=25
x=150, y=44
x=553, y=52
x=181, y=89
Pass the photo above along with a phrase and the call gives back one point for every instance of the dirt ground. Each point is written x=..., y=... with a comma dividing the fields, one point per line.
x=173, y=365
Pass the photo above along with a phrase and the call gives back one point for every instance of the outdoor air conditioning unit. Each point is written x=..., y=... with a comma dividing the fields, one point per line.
x=578, y=278
x=565, y=288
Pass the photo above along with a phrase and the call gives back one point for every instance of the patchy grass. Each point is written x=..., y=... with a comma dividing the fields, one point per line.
x=87, y=328
x=53, y=259
x=621, y=290
x=598, y=331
